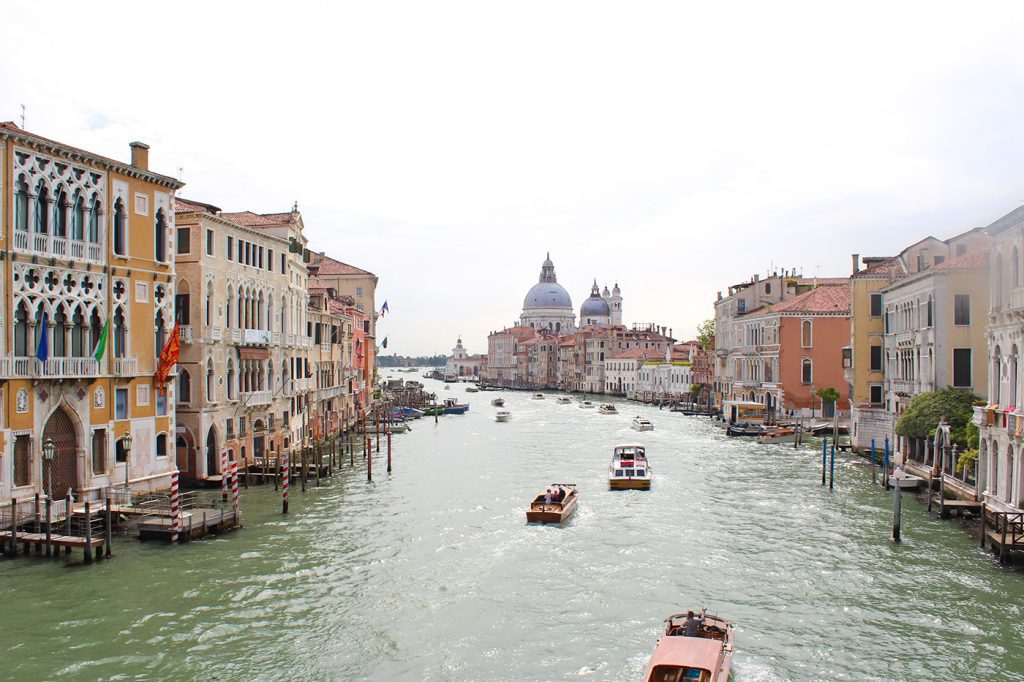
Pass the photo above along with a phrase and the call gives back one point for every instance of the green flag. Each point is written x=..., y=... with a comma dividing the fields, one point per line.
x=101, y=345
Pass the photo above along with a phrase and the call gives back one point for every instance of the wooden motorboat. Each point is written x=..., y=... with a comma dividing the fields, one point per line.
x=629, y=469
x=744, y=430
x=778, y=436
x=452, y=407
x=586, y=405
x=498, y=402
x=704, y=657
x=607, y=409
x=642, y=424
x=537, y=396
x=502, y=416
x=564, y=400
x=472, y=389
x=543, y=511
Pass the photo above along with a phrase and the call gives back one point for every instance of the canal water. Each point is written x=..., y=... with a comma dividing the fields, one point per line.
x=432, y=573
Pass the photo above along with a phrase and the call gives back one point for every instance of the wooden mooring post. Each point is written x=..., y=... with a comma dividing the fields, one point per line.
x=108, y=528
x=885, y=465
x=14, y=527
x=369, y=464
x=897, y=513
x=389, y=452
x=284, y=483
x=67, y=521
x=824, y=456
x=873, y=479
x=49, y=511
x=832, y=466
x=88, y=533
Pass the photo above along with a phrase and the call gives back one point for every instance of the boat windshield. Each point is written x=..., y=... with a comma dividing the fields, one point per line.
x=674, y=673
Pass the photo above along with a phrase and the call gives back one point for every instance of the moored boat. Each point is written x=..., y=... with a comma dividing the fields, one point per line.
x=777, y=436
x=555, y=505
x=607, y=409
x=642, y=424
x=586, y=405
x=705, y=656
x=537, y=396
x=564, y=400
x=498, y=402
x=629, y=469
x=400, y=412
x=472, y=389
x=502, y=416
x=399, y=426
x=744, y=430
x=452, y=407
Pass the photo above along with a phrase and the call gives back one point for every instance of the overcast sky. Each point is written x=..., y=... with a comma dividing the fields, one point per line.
x=674, y=148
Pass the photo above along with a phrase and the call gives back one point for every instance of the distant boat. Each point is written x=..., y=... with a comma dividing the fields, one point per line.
x=447, y=387
x=553, y=512
x=472, y=389
x=452, y=407
x=538, y=396
x=399, y=427
x=586, y=405
x=498, y=402
x=629, y=468
x=607, y=409
x=641, y=424
x=407, y=412
x=502, y=416
x=703, y=657
x=778, y=436
x=564, y=400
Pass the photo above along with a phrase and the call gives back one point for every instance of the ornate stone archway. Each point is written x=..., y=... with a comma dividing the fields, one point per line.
x=63, y=473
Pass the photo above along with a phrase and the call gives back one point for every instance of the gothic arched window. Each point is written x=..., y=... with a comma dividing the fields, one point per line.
x=120, y=229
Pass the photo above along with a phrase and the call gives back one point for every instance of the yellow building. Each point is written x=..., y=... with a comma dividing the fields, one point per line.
x=87, y=242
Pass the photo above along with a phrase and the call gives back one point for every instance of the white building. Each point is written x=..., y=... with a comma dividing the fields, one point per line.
x=622, y=370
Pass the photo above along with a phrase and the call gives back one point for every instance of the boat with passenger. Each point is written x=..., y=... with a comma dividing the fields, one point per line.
x=586, y=405
x=452, y=407
x=472, y=389
x=642, y=424
x=554, y=505
x=502, y=416
x=692, y=647
x=629, y=469
x=537, y=396
x=564, y=400
x=607, y=409
x=498, y=402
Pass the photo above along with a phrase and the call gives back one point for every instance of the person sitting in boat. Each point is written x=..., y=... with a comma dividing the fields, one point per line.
x=547, y=496
x=691, y=627
x=559, y=495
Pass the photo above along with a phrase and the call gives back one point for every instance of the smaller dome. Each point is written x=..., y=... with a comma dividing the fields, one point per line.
x=595, y=306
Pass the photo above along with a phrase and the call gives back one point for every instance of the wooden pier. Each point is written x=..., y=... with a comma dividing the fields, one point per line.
x=1004, y=531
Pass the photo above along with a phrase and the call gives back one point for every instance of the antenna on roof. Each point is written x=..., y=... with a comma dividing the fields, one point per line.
x=295, y=206
x=22, y=116
x=181, y=173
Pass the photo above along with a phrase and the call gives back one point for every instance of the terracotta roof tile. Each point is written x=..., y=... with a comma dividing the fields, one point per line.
x=250, y=219
x=875, y=265
x=831, y=298
x=185, y=206
x=325, y=265
x=972, y=260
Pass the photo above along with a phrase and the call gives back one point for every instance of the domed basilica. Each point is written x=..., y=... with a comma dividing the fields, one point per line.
x=548, y=306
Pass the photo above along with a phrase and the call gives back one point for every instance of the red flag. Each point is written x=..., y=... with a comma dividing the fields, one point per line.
x=168, y=359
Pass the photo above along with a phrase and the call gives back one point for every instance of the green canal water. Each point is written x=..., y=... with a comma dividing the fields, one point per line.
x=432, y=574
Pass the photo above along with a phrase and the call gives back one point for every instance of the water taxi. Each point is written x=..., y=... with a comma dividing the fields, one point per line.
x=742, y=418
x=607, y=409
x=452, y=407
x=704, y=657
x=472, y=389
x=537, y=396
x=545, y=508
x=586, y=405
x=642, y=424
x=502, y=416
x=498, y=402
x=629, y=469
x=564, y=400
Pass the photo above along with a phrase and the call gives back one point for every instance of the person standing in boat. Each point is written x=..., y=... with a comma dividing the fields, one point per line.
x=547, y=496
x=691, y=627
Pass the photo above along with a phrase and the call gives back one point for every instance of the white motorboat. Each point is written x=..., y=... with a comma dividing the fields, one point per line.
x=564, y=400
x=641, y=424
x=607, y=409
x=629, y=468
x=498, y=402
x=502, y=416
x=586, y=405
x=537, y=396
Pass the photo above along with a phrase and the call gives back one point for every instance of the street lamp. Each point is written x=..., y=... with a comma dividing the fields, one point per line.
x=127, y=440
x=48, y=453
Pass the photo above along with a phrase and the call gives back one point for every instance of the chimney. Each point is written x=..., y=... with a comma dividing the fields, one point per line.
x=140, y=155
x=757, y=278
x=856, y=263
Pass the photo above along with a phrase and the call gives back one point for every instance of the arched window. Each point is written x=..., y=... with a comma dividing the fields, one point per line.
x=929, y=315
x=42, y=220
x=40, y=329
x=232, y=395
x=78, y=218
x=997, y=289
x=230, y=299
x=21, y=347
x=1012, y=374
x=806, y=375
x=120, y=333
x=94, y=221
x=805, y=333
x=60, y=325
x=161, y=445
x=160, y=237
x=60, y=213
x=210, y=388
x=95, y=331
x=184, y=386
x=120, y=229
x=21, y=204
x=159, y=335
x=209, y=306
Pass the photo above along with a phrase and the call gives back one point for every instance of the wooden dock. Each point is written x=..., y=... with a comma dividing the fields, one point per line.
x=194, y=523
x=1004, y=532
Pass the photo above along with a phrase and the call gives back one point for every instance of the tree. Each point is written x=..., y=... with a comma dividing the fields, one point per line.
x=706, y=334
x=925, y=410
x=828, y=395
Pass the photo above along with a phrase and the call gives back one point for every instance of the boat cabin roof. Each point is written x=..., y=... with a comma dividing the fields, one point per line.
x=630, y=446
x=743, y=403
x=691, y=652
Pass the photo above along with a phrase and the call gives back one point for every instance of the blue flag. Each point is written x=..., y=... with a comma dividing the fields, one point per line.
x=384, y=309
x=384, y=344
x=43, y=349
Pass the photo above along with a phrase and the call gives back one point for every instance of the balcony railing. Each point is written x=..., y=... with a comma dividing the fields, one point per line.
x=126, y=367
x=56, y=368
x=235, y=335
x=289, y=339
x=1016, y=298
x=5, y=368
x=58, y=247
x=275, y=338
x=185, y=333
x=254, y=398
x=215, y=333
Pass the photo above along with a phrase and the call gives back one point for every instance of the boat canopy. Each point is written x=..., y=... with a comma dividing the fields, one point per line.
x=630, y=446
x=688, y=652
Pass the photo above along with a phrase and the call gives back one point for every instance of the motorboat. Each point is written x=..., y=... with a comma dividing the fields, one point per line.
x=452, y=407
x=498, y=402
x=778, y=436
x=401, y=412
x=586, y=405
x=703, y=657
x=744, y=430
x=399, y=426
x=472, y=389
x=642, y=424
x=545, y=508
x=564, y=400
x=607, y=409
x=629, y=469
x=502, y=416
x=447, y=387
x=537, y=396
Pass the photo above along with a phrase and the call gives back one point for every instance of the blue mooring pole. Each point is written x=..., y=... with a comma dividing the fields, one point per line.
x=885, y=465
x=832, y=466
x=872, y=461
x=824, y=456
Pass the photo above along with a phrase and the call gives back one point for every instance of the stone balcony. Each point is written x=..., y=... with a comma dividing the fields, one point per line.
x=53, y=368
x=57, y=247
x=255, y=398
x=185, y=333
x=125, y=367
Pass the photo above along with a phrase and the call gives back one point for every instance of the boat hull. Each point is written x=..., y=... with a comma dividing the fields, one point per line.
x=551, y=513
x=643, y=427
x=459, y=409
x=629, y=483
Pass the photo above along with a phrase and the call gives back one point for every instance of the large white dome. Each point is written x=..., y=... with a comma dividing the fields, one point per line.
x=547, y=295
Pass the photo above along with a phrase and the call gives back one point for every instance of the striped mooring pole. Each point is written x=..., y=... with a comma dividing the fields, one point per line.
x=175, y=508
x=224, y=474
x=284, y=483
x=234, y=489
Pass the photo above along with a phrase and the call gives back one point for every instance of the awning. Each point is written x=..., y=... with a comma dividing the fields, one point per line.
x=250, y=353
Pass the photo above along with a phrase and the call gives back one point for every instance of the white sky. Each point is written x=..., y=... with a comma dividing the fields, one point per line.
x=675, y=148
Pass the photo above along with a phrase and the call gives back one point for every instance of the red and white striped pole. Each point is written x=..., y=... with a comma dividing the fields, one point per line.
x=224, y=474
x=234, y=489
x=284, y=483
x=175, y=507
